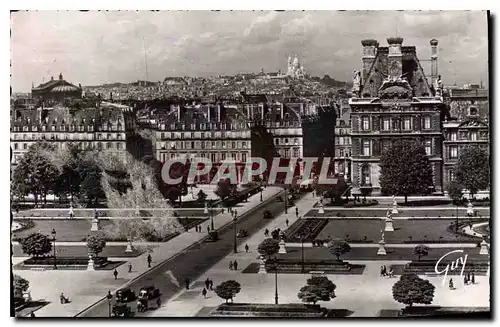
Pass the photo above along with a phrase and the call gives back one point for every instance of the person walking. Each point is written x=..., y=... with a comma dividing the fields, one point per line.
x=204, y=293
x=116, y=274
x=473, y=278
x=62, y=298
x=32, y=314
x=381, y=271
x=235, y=265
x=246, y=247
x=391, y=272
x=468, y=278
x=450, y=284
x=208, y=229
x=158, y=302
x=129, y=267
x=149, y=260
x=266, y=233
x=207, y=283
x=187, y=283
x=286, y=222
x=230, y=265
x=466, y=281
x=211, y=285
x=296, y=213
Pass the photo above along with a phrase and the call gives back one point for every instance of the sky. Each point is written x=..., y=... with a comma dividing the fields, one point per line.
x=94, y=48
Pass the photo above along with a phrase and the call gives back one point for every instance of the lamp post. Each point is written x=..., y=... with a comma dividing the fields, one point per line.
x=302, y=251
x=276, y=280
x=109, y=297
x=54, y=246
x=456, y=221
x=234, y=224
x=261, y=190
x=286, y=200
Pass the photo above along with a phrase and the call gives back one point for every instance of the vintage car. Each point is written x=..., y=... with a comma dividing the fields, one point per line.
x=142, y=305
x=125, y=295
x=121, y=310
x=148, y=293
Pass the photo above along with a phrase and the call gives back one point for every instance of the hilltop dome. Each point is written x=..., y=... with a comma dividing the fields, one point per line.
x=296, y=62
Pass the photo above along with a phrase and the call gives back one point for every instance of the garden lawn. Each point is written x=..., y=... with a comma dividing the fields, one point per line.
x=382, y=212
x=321, y=253
x=111, y=251
x=418, y=229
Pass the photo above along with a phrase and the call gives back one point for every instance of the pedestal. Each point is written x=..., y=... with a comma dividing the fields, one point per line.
x=395, y=207
x=205, y=211
x=321, y=209
x=137, y=211
x=389, y=227
x=262, y=266
x=470, y=210
x=129, y=247
x=484, y=248
x=90, y=265
x=282, y=247
x=381, y=248
x=95, y=225
x=71, y=213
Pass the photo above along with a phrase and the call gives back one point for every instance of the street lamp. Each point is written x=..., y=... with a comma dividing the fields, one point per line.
x=302, y=248
x=54, y=240
x=109, y=297
x=234, y=224
x=260, y=190
x=276, y=280
x=286, y=205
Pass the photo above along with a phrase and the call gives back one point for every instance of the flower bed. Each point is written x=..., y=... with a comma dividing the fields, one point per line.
x=308, y=228
x=268, y=310
x=62, y=261
x=425, y=203
x=363, y=203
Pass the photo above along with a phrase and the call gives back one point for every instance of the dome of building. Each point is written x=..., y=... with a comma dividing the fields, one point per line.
x=296, y=62
x=65, y=88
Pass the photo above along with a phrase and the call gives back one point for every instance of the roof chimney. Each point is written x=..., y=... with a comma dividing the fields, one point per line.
x=370, y=47
x=434, y=61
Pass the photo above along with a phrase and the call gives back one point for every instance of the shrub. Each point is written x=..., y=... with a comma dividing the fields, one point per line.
x=227, y=290
x=36, y=245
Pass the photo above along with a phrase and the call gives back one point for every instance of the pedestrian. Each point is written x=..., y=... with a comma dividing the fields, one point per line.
x=381, y=271
x=246, y=247
x=266, y=232
x=207, y=283
x=466, y=281
x=473, y=278
x=468, y=278
x=116, y=274
x=230, y=265
x=62, y=298
x=187, y=283
x=211, y=285
x=204, y=293
x=296, y=213
x=235, y=265
x=129, y=267
x=286, y=222
x=208, y=229
x=451, y=284
x=149, y=260
x=32, y=314
x=391, y=272
x=158, y=302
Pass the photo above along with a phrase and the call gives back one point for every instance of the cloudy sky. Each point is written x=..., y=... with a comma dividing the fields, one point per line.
x=101, y=47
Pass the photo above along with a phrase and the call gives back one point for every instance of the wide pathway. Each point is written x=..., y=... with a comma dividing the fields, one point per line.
x=85, y=288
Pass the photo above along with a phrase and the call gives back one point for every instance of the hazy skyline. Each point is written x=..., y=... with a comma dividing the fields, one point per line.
x=94, y=48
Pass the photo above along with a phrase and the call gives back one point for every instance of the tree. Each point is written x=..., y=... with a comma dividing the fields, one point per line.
x=405, y=170
x=318, y=288
x=36, y=245
x=268, y=247
x=21, y=285
x=91, y=189
x=338, y=247
x=227, y=290
x=201, y=196
x=421, y=251
x=473, y=169
x=456, y=194
x=410, y=289
x=96, y=244
x=225, y=189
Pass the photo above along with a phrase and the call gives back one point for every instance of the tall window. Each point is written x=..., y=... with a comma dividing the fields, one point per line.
x=212, y=157
x=366, y=123
x=428, y=147
x=453, y=152
x=296, y=152
x=233, y=145
x=223, y=156
x=406, y=123
x=453, y=136
x=473, y=136
x=366, y=147
x=451, y=176
x=365, y=175
x=386, y=124
x=243, y=157
x=427, y=122
x=341, y=152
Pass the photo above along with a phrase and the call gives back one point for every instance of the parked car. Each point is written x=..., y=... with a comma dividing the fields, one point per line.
x=148, y=293
x=125, y=295
x=267, y=214
x=242, y=233
x=121, y=310
x=279, y=199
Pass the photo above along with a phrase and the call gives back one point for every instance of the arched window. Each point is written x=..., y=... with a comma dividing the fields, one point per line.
x=365, y=175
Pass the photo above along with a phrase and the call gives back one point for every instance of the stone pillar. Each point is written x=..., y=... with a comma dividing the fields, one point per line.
x=95, y=225
x=282, y=247
x=321, y=209
x=381, y=248
x=484, y=248
x=90, y=265
x=71, y=213
x=205, y=211
x=137, y=211
x=470, y=209
x=388, y=225
x=129, y=245
x=394, y=206
x=262, y=265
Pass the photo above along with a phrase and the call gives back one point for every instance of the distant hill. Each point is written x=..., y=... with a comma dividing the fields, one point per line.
x=327, y=80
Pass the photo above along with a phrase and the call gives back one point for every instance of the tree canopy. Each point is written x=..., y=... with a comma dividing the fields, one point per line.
x=455, y=191
x=405, y=170
x=21, y=285
x=338, y=248
x=410, y=289
x=421, y=251
x=227, y=290
x=96, y=244
x=318, y=288
x=473, y=169
x=36, y=244
x=268, y=247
